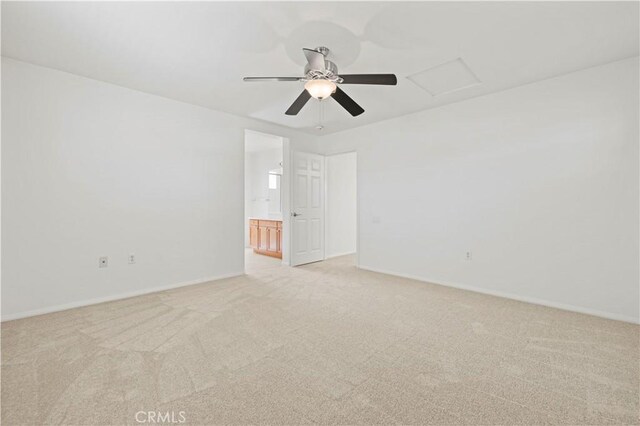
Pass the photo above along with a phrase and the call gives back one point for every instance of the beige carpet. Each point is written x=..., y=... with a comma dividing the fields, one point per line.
x=325, y=343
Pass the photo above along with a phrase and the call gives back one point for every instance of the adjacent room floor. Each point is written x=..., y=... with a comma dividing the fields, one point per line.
x=322, y=343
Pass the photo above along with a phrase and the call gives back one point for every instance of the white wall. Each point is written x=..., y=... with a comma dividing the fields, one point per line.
x=539, y=182
x=92, y=169
x=257, y=167
x=341, y=204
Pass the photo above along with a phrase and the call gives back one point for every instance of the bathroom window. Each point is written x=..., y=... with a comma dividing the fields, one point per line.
x=273, y=181
x=275, y=196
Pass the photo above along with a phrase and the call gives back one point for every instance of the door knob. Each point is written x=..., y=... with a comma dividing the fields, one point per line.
x=294, y=214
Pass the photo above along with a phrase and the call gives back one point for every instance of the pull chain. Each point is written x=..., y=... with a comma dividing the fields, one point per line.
x=320, y=126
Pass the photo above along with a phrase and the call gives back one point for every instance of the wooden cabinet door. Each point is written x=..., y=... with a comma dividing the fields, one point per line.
x=253, y=234
x=263, y=237
x=273, y=239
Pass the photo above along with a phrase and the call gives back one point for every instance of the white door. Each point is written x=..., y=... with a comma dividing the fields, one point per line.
x=307, y=208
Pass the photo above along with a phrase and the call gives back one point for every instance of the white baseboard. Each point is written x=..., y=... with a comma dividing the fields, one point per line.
x=533, y=300
x=120, y=296
x=339, y=254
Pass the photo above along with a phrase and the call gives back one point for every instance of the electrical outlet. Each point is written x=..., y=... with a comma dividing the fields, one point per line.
x=103, y=262
x=469, y=256
x=132, y=259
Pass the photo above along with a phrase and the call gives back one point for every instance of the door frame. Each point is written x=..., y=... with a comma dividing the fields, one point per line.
x=326, y=204
x=287, y=160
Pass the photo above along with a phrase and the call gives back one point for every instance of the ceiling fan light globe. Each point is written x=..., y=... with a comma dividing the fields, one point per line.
x=320, y=88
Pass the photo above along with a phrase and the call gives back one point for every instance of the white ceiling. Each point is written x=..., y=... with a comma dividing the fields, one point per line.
x=198, y=52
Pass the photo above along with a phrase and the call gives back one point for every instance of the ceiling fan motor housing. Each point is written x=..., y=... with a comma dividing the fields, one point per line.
x=330, y=72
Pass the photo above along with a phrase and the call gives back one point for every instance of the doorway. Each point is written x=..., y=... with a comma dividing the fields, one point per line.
x=300, y=207
x=265, y=198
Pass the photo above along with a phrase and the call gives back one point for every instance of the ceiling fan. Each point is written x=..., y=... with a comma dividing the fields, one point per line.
x=321, y=80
